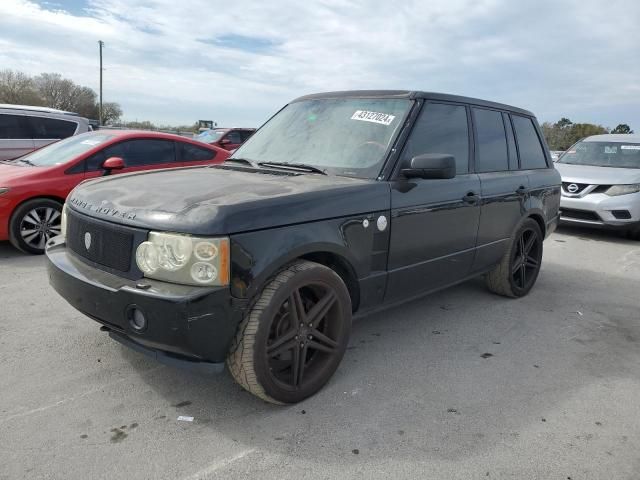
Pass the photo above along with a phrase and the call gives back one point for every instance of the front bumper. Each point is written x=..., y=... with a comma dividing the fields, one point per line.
x=601, y=210
x=186, y=326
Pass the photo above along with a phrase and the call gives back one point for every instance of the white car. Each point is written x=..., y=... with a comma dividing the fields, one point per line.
x=601, y=183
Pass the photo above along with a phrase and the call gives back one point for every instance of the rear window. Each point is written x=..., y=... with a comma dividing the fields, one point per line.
x=12, y=127
x=51, y=128
x=492, y=143
x=529, y=146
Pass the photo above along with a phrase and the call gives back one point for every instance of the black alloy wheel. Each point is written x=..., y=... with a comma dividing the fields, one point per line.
x=293, y=339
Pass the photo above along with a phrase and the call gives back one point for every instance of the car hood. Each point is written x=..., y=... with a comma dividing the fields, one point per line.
x=225, y=200
x=597, y=175
x=10, y=173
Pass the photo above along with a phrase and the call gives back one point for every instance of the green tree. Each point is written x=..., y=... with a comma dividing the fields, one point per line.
x=622, y=128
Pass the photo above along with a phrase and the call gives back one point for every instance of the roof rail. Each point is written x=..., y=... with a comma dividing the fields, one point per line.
x=32, y=108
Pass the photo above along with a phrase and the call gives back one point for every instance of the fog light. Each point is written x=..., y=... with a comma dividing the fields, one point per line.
x=136, y=318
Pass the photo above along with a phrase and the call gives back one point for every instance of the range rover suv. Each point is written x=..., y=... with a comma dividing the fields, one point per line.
x=342, y=203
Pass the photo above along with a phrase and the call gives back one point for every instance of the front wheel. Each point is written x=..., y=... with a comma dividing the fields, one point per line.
x=293, y=339
x=33, y=223
x=518, y=271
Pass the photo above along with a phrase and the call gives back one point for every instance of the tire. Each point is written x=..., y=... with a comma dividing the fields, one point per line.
x=282, y=355
x=33, y=223
x=516, y=273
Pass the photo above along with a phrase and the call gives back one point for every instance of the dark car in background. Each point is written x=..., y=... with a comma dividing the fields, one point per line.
x=227, y=138
x=24, y=129
x=339, y=205
x=34, y=187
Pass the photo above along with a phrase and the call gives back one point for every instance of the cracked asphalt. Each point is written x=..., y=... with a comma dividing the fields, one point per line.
x=461, y=384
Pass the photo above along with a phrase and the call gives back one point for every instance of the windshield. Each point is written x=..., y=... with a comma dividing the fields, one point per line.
x=64, y=150
x=210, y=136
x=603, y=154
x=345, y=136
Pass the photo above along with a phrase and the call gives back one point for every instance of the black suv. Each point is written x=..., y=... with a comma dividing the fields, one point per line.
x=342, y=203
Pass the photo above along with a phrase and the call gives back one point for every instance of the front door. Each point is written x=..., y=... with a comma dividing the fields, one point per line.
x=434, y=223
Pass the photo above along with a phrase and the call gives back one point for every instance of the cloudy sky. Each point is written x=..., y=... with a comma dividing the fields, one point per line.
x=237, y=62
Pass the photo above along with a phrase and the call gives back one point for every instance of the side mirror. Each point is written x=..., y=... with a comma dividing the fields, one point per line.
x=431, y=165
x=113, y=163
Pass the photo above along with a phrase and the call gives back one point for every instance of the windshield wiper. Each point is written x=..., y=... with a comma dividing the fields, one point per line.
x=28, y=162
x=293, y=166
x=240, y=160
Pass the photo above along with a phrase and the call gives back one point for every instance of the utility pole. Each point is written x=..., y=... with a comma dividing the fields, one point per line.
x=100, y=44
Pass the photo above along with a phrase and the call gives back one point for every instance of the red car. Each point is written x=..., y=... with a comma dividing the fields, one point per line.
x=34, y=187
x=227, y=138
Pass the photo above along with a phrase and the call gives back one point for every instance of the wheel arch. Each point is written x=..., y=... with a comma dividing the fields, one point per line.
x=55, y=198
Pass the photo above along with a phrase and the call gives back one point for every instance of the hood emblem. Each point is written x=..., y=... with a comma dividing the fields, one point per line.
x=573, y=188
x=87, y=240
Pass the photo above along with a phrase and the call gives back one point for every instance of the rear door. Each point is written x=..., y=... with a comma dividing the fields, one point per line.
x=47, y=130
x=504, y=186
x=15, y=137
x=434, y=222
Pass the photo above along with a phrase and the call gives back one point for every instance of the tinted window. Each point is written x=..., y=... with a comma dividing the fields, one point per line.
x=42, y=127
x=95, y=161
x=136, y=153
x=529, y=146
x=190, y=153
x=492, y=143
x=233, y=137
x=513, y=153
x=441, y=128
x=12, y=127
x=246, y=134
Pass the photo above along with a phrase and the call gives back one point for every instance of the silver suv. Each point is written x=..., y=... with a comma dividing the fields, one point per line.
x=601, y=183
x=24, y=129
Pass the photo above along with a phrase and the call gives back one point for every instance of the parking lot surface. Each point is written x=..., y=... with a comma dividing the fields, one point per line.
x=460, y=384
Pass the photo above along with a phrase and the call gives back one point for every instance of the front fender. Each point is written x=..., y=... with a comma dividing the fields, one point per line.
x=257, y=256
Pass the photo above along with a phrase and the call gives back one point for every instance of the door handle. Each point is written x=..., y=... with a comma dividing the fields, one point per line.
x=471, y=197
x=522, y=190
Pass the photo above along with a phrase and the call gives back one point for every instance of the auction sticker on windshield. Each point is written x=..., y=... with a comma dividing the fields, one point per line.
x=374, y=117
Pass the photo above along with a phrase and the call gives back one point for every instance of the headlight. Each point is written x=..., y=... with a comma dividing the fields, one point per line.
x=184, y=259
x=623, y=189
x=63, y=221
x=3, y=190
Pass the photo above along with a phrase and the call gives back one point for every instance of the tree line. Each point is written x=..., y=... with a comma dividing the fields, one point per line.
x=564, y=133
x=54, y=91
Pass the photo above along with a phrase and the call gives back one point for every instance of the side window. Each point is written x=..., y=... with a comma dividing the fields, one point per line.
x=189, y=152
x=441, y=128
x=491, y=155
x=529, y=146
x=12, y=126
x=138, y=153
x=234, y=137
x=95, y=161
x=513, y=153
x=245, y=134
x=48, y=128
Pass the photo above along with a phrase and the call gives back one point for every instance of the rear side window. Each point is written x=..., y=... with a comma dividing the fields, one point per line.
x=12, y=126
x=529, y=146
x=188, y=152
x=492, y=144
x=245, y=134
x=51, y=128
x=137, y=153
x=233, y=137
x=441, y=128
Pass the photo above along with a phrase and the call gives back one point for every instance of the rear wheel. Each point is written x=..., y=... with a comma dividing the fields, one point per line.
x=518, y=271
x=35, y=222
x=293, y=339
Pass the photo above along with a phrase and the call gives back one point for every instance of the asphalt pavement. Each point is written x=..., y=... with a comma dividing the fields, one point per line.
x=462, y=384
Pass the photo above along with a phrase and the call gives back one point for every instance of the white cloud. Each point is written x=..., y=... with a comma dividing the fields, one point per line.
x=175, y=62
